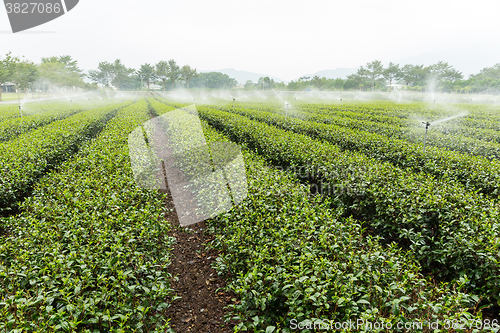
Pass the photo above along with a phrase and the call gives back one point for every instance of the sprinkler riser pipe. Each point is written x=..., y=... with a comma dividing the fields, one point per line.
x=425, y=139
x=427, y=124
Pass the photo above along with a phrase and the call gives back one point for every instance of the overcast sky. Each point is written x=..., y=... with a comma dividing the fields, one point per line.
x=285, y=39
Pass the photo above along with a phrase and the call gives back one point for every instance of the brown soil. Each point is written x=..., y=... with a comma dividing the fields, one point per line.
x=201, y=308
x=202, y=302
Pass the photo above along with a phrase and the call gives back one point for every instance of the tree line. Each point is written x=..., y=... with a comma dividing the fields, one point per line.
x=25, y=75
x=63, y=72
x=437, y=77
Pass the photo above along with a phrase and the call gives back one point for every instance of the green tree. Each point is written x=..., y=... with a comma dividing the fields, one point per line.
x=173, y=72
x=7, y=68
x=391, y=73
x=317, y=82
x=111, y=73
x=416, y=75
x=70, y=64
x=121, y=73
x=338, y=84
x=147, y=73
x=266, y=83
x=25, y=74
x=443, y=72
x=249, y=85
x=373, y=71
x=132, y=82
x=357, y=80
x=296, y=85
x=187, y=73
x=55, y=71
x=162, y=70
x=103, y=73
x=488, y=79
x=213, y=80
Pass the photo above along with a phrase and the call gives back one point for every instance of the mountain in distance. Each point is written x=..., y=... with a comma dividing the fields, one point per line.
x=243, y=76
x=336, y=73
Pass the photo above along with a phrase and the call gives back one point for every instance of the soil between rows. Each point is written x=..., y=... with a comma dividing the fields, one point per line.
x=202, y=302
x=201, y=307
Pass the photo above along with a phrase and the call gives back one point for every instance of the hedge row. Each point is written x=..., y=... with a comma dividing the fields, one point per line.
x=29, y=156
x=451, y=231
x=479, y=124
x=50, y=112
x=9, y=111
x=90, y=250
x=14, y=127
x=474, y=172
x=295, y=260
x=459, y=135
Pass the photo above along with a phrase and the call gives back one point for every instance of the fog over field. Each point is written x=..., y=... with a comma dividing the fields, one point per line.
x=284, y=39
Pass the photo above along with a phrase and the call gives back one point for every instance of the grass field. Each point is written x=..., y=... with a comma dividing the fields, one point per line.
x=12, y=96
x=347, y=219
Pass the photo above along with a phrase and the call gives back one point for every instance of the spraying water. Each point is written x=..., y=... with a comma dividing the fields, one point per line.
x=463, y=114
x=427, y=124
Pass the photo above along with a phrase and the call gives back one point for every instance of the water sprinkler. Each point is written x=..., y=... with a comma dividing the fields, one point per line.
x=21, y=110
x=70, y=103
x=427, y=124
x=286, y=111
x=233, y=102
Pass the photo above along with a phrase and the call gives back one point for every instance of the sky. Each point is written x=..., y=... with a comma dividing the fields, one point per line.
x=285, y=39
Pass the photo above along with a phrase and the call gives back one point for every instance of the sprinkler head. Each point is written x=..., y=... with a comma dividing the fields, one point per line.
x=20, y=107
x=427, y=124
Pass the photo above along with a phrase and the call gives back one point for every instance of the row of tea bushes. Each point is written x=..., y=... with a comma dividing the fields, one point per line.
x=89, y=252
x=474, y=172
x=479, y=116
x=14, y=127
x=295, y=261
x=475, y=126
x=28, y=157
x=45, y=114
x=452, y=232
x=461, y=137
x=9, y=111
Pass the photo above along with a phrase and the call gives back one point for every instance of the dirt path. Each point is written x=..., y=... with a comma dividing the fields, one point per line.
x=201, y=308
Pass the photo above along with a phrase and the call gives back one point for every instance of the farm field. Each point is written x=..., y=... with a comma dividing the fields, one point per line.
x=347, y=218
